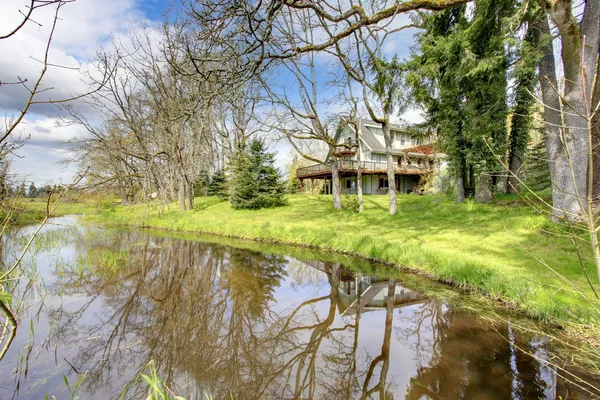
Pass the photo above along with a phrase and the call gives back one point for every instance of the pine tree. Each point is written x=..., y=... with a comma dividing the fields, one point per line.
x=256, y=183
x=536, y=173
x=218, y=186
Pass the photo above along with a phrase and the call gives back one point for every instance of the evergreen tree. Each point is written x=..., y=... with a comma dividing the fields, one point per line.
x=459, y=74
x=256, y=183
x=201, y=184
x=536, y=173
x=32, y=191
x=526, y=79
x=218, y=185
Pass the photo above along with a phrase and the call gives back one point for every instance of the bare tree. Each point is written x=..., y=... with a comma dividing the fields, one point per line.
x=381, y=82
x=300, y=115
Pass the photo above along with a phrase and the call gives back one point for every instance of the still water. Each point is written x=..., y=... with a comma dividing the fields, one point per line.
x=233, y=320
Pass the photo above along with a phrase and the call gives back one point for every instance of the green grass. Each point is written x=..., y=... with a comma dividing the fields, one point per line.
x=31, y=211
x=470, y=245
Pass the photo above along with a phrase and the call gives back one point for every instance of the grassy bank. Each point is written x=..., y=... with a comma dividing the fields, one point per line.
x=473, y=246
x=26, y=211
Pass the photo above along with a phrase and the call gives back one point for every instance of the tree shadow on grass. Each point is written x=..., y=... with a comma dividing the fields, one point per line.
x=206, y=202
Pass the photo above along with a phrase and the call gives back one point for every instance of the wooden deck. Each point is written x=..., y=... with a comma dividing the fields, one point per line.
x=348, y=168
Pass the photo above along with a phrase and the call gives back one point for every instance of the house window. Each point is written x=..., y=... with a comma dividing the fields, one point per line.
x=348, y=140
x=349, y=184
x=383, y=183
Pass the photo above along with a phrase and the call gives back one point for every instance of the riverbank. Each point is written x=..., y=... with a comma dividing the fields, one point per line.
x=25, y=211
x=482, y=248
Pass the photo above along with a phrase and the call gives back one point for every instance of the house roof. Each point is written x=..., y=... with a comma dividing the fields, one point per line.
x=369, y=139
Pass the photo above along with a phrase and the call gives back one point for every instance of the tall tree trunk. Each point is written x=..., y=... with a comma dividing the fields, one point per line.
x=335, y=186
x=191, y=196
x=483, y=188
x=596, y=140
x=359, y=192
x=182, y=194
x=521, y=120
x=564, y=200
x=460, y=188
x=579, y=65
x=390, y=167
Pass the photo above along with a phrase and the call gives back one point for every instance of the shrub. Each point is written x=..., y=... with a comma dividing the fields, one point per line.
x=350, y=203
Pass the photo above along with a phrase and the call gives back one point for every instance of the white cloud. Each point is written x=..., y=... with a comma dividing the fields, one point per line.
x=84, y=27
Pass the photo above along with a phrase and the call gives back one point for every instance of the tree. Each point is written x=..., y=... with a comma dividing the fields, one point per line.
x=436, y=85
x=256, y=183
x=382, y=84
x=536, y=174
x=301, y=118
x=566, y=125
x=32, y=191
x=526, y=81
x=459, y=75
x=218, y=185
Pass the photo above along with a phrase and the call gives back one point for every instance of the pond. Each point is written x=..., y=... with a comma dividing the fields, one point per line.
x=216, y=318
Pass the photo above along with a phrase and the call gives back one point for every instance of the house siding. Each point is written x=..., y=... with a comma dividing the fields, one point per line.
x=370, y=184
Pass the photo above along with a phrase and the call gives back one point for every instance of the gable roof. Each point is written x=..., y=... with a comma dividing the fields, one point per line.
x=369, y=139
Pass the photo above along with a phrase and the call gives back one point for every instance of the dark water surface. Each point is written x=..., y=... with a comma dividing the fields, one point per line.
x=253, y=322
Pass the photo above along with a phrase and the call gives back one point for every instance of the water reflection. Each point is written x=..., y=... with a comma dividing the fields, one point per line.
x=244, y=324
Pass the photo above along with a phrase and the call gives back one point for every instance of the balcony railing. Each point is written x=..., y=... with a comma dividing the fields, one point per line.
x=366, y=167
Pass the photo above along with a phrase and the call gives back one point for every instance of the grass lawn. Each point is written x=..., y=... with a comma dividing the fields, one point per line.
x=30, y=211
x=471, y=245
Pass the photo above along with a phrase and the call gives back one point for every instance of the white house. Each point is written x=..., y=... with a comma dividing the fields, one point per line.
x=411, y=160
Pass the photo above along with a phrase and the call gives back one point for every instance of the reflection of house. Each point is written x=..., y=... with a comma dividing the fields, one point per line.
x=411, y=160
x=373, y=295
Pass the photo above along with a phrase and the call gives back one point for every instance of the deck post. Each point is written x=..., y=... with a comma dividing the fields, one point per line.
x=301, y=186
x=312, y=186
x=378, y=185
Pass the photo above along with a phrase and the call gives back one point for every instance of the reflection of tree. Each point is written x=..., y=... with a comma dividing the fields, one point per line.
x=384, y=357
x=465, y=358
x=207, y=315
x=201, y=312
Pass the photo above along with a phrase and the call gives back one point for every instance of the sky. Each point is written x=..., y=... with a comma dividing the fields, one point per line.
x=85, y=26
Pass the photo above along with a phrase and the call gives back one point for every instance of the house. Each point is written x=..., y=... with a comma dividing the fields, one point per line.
x=411, y=160
x=374, y=294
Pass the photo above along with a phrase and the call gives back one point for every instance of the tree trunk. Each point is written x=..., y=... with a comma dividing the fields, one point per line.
x=596, y=141
x=596, y=135
x=460, y=189
x=483, y=188
x=335, y=186
x=564, y=200
x=123, y=191
x=390, y=168
x=191, y=196
x=359, y=192
x=181, y=194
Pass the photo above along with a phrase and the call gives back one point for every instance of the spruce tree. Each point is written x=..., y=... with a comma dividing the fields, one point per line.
x=256, y=183
x=218, y=185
